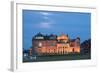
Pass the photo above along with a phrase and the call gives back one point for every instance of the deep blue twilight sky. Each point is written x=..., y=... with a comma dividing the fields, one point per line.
x=49, y=22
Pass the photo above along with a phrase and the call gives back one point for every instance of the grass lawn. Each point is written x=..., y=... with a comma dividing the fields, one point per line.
x=57, y=57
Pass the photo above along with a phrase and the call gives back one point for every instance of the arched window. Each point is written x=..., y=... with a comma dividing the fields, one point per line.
x=73, y=50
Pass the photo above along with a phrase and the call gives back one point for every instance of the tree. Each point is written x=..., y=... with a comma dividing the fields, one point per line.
x=86, y=46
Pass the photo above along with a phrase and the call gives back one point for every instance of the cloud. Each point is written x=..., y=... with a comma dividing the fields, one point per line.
x=46, y=18
x=45, y=25
x=45, y=13
x=47, y=22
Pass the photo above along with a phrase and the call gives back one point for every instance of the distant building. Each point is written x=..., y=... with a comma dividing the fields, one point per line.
x=53, y=44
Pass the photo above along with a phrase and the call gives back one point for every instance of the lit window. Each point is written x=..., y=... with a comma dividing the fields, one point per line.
x=40, y=44
x=39, y=37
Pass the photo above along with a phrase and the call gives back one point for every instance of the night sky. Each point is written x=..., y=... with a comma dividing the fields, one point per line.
x=75, y=24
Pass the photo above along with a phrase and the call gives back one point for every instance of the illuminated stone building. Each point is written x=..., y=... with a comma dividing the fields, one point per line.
x=75, y=45
x=54, y=45
x=44, y=44
x=63, y=45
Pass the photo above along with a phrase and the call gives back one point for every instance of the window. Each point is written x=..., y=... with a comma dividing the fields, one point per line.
x=52, y=44
x=40, y=44
x=39, y=37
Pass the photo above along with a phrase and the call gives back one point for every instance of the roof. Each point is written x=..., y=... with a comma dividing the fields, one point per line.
x=45, y=37
x=72, y=40
x=39, y=34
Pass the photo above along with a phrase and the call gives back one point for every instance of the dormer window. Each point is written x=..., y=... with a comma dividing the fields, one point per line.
x=39, y=37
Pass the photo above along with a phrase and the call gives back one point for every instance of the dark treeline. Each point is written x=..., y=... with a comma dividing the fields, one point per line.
x=86, y=46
